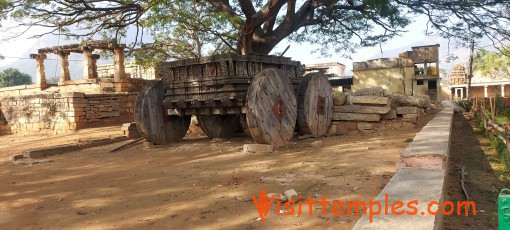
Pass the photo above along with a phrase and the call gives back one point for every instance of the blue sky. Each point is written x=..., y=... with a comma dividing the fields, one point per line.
x=21, y=47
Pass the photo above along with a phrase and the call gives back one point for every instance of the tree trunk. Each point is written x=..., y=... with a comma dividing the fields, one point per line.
x=470, y=68
x=253, y=44
x=244, y=45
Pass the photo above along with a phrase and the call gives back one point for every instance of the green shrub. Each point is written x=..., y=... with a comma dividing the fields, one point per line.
x=495, y=142
x=500, y=148
x=466, y=104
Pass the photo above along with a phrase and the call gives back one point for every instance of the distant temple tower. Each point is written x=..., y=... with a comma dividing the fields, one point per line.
x=458, y=75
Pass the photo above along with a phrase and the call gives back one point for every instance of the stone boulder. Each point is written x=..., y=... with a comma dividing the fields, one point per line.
x=339, y=98
x=372, y=91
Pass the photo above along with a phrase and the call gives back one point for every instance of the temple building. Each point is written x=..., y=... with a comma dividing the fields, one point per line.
x=480, y=86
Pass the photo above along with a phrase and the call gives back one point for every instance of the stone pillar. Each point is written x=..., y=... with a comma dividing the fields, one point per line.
x=485, y=94
x=94, y=64
x=88, y=64
x=40, y=74
x=119, y=71
x=64, y=68
x=456, y=95
x=462, y=93
x=502, y=90
x=467, y=91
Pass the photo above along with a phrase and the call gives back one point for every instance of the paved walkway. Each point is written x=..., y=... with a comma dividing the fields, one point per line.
x=419, y=179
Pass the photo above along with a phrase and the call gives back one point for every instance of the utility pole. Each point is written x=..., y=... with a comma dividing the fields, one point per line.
x=472, y=49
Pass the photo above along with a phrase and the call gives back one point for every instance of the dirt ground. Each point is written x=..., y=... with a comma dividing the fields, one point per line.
x=485, y=177
x=16, y=144
x=196, y=184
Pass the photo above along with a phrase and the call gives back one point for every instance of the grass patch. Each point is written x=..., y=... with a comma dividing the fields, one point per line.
x=496, y=144
x=408, y=140
x=501, y=120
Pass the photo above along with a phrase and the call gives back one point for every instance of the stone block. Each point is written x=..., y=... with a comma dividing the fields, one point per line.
x=72, y=94
x=257, y=148
x=404, y=100
x=372, y=91
x=365, y=126
x=356, y=117
x=339, y=98
x=433, y=139
x=391, y=115
x=407, y=110
x=277, y=197
x=110, y=114
x=73, y=119
x=362, y=109
x=77, y=102
x=423, y=186
x=410, y=116
x=368, y=100
x=291, y=194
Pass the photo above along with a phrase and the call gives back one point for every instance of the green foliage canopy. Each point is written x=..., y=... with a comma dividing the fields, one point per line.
x=491, y=64
x=256, y=27
x=13, y=77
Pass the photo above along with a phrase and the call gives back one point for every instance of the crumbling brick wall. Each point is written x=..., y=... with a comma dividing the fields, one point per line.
x=103, y=109
x=63, y=113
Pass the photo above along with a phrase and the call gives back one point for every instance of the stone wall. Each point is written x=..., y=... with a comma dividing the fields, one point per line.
x=21, y=90
x=89, y=86
x=393, y=80
x=57, y=113
x=382, y=63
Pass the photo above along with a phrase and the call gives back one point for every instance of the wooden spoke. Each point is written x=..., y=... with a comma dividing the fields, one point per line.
x=315, y=104
x=271, y=108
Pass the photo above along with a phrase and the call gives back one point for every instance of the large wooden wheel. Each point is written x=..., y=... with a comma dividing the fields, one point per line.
x=271, y=108
x=176, y=128
x=315, y=104
x=219, y=126
x=151, y=119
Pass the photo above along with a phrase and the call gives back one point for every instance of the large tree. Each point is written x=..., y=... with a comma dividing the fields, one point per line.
x=184, y=29
x=491, y=64
x=258, y=26
x=13, y=77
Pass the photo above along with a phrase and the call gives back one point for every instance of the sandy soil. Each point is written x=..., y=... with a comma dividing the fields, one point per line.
x=486, y=176
x=196, y=184
x=16, y=144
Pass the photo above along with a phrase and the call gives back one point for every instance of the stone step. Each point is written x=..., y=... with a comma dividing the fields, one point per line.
x=361, y=109
x=356, y=117
x=407, y=110
x=368, y=100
